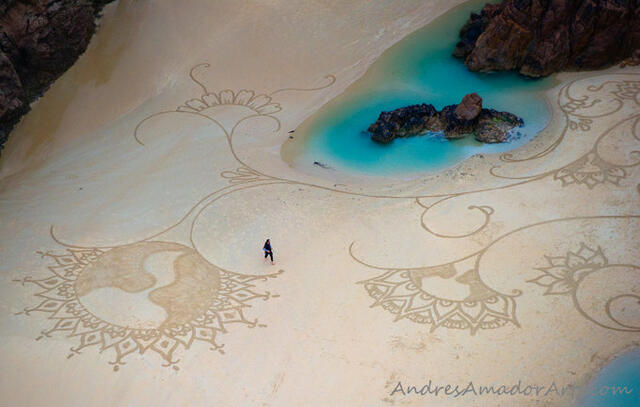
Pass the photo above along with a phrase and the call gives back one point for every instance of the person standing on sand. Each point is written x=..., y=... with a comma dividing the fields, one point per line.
x=268, y=251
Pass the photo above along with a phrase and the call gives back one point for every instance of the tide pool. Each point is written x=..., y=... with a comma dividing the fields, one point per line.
x=617, y=384
x=419, y=69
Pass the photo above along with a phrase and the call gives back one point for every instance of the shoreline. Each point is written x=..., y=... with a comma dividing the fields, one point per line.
x=292, y=150
x=289, y=151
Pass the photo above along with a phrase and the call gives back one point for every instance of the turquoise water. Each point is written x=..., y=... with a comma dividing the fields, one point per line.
x=607, y=388
x=419, y=69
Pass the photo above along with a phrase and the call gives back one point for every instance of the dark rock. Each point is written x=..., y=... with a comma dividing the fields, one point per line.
x=472, y=29
x=39, y=40
x=539, y=37
x=322, y=165
x=633, y=60
x=11, y=92
x=455, y=121
x=469, y=108
x=454, y=127
x=404, y=122
x=494, y=126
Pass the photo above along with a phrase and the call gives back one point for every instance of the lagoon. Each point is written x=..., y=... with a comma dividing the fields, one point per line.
x=617, y=384
x=418, y=69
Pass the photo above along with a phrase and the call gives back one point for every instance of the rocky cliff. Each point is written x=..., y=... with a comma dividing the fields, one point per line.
x=539, y=37
x=455, y=121
x=39, y=40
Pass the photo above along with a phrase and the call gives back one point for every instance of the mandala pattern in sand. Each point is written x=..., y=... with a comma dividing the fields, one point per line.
x=197, y=302
x=185, y=299
x=590, y=171
x=611, y=159
x=200, y=306
x=405, y=294
x=600, y=290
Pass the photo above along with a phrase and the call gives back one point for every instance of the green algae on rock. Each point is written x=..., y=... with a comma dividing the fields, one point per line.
x=455, y=121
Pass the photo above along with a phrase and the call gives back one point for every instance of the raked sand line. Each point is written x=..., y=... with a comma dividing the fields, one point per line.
x=521, y=266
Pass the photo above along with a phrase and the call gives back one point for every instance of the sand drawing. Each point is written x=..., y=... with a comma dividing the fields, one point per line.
x=198, y=301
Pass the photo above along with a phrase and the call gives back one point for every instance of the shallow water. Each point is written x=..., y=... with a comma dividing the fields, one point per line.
x=617, y=384
x=419, y=69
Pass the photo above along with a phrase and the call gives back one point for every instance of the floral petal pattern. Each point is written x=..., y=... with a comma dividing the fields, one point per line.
x=243, y=97
x=261, y=104
x=590, y=170
x=226, y=97
x=563, y=274
x=211, y=99
x=259, y=101
x=196, y=104
x=270, y=108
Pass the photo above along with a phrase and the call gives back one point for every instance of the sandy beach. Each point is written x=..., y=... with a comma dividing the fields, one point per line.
x=136, y=196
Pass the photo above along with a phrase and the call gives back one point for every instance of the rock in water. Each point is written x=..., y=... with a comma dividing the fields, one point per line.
x=539, y=37
x=403, y=122
x=322, y=165
x=469, y=108
x=456, y=121
x=493, y=126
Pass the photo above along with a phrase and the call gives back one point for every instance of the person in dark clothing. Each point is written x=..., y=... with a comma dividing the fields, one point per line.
x=267, y=250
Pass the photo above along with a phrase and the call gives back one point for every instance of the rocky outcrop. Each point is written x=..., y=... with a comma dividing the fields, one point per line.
x=11, y=91
x=633, y=60
x=39, y=40
x=539, y=37
x=455, y=121
x=469, y=108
